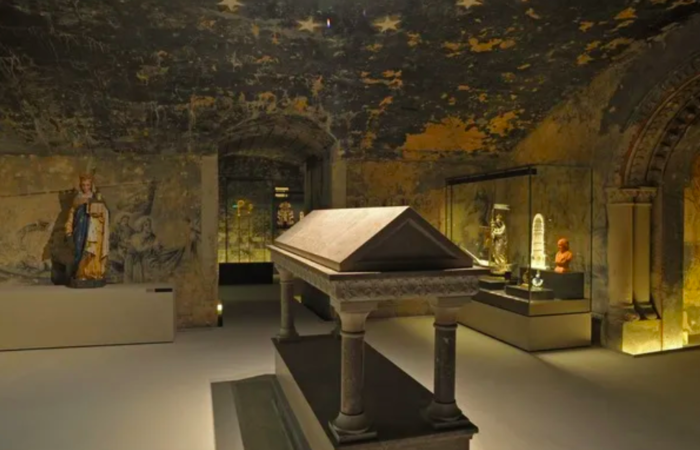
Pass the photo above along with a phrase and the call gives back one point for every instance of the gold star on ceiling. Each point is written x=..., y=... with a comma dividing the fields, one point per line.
x=308, y=25
x=231, y=5
x=387, y=24
x=469, y=3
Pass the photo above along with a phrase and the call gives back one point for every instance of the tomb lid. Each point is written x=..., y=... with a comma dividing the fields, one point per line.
x=371, y=240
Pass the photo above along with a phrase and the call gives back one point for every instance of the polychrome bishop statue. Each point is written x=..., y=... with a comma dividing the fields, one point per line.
x=88, y=227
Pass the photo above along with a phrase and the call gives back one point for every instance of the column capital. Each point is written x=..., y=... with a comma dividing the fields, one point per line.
x=285, y=275
x=353, y=306
x=445, y=308
x=628, y=195
x=352, y=315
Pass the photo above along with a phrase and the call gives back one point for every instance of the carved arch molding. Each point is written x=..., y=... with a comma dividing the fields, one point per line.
x=278, y=135
x=668, y=111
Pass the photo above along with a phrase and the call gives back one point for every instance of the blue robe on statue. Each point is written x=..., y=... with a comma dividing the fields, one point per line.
x=81, y=225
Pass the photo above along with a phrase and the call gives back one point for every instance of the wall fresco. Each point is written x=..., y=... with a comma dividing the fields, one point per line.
x=156, y=231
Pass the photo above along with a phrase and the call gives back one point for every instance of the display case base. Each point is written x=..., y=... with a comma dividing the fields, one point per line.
x=569, y=285
x=530, y=332
x=530, y=293
x=56, y=316
x=492, y=283
x=500, y=299
x=307, y=371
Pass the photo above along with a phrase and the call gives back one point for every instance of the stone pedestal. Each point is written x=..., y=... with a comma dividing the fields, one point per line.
x=287, y=329
x=634, y=337
x=352, y=424
x=492, y=283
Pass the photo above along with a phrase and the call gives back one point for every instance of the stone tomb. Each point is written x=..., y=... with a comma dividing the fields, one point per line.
x=359, y=258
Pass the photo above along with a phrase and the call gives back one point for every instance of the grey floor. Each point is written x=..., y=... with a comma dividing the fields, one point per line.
x=158, y=397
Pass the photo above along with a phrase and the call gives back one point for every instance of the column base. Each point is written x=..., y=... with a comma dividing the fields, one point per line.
x=446, y=416
x=287, y=336
x=646, y=310
x=355, y=428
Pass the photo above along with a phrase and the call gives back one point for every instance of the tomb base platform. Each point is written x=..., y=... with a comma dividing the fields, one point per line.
x=33, y=317
x=531, y=325
x=308, y=371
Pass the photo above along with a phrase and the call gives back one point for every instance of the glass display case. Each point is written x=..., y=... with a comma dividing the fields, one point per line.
x=288, y=209
x=256, y=212
x=532, y=226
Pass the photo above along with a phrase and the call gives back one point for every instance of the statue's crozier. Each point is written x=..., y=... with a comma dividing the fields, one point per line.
x=88, y=227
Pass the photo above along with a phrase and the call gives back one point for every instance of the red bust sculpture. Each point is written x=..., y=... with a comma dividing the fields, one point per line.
x=563, y=257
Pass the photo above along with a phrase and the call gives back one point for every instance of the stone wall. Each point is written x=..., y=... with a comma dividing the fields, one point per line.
x=160, y=224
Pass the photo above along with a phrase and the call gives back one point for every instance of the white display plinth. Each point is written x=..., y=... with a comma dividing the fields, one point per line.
x=530, y=333
x=34, y=317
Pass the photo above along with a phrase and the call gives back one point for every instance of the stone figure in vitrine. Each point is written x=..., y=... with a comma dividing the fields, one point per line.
x=499, y=243
x=88, y=227
x=538, y=258
x=564, y=256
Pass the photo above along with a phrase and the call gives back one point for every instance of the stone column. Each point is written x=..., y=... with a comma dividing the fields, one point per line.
x=352, y=424
x=620, y=247
x=443, y=411
x=287, y=330
x=642, y=251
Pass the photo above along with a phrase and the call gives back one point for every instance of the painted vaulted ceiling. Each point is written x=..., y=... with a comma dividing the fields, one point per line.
x=383, y=77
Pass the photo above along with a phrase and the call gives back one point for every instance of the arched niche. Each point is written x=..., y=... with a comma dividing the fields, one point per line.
x=647, y=209
x=286, y=141
x=293, y=139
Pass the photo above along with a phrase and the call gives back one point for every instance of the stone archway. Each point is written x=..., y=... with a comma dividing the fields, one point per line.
x=295, y=139
x=291, y=138
x=644, y=216
x=666, y=114
x=300, y=141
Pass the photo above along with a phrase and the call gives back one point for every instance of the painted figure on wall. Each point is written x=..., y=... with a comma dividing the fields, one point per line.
x=499, y=244
x=88, y=227
x=140, y=253
x=564, y=256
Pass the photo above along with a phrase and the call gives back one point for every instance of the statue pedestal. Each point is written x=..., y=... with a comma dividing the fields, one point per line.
x=530, y=325
x=55, y=316
x=531, y=293
x=634, y=337
x=492, y=283
x=86, y=284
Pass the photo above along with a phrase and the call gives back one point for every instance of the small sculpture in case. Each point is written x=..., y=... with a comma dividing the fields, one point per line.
x=564, y=256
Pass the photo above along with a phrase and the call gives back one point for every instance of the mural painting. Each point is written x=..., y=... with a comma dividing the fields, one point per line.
x=40, y=252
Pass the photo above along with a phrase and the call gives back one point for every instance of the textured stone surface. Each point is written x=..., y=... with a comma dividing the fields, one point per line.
x=391, y=78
